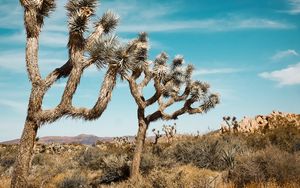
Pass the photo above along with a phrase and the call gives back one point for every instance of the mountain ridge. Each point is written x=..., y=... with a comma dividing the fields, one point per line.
x=87, y=139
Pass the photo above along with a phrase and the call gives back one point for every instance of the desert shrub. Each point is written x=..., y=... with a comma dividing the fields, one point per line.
x=184, y=176
x=149, y=161
x=75, y=181
x=257, y=141
x=38, y=159
x=215, y=153
x=266, y=165
x=286, y=138
x=7, y=161
x=115, y=168
x=7, y=156
x=90, y=158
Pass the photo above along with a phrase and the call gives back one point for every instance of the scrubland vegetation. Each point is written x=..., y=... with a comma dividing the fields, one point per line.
x=271, y=159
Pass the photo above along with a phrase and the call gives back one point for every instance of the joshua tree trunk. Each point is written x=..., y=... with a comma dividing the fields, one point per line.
x=79, y=13
x=140, y=140
x=23, y=159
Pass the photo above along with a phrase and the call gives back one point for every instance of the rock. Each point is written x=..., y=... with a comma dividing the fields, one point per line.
x=261, y=122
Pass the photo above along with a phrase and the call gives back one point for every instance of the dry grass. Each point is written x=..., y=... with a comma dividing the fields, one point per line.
x=235, y=160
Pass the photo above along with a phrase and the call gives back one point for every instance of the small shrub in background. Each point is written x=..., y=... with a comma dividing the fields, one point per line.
x=75, y=181
x=7, y=157
x=149, y=162
x=38, y=159
x=7, y=161
x=90, y=158
x=215, y=153
x=285, y=138
x=184, y=176
x=270, y=164
x=115, y=168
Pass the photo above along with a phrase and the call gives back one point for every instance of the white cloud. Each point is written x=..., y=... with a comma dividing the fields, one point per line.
x=294, y=7
x=215, y=71
x=286, y=76
x=283, y=54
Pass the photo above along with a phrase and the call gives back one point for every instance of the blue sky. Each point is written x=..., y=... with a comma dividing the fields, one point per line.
x=247, y=50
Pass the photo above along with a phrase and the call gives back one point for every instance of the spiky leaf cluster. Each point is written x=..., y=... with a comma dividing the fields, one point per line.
x=210, y=102
x=130, y=57
x=106, y=51
x=188, y=72
x=75, y=5
x=137, y=52
x=160, y=68
x=178, y=72
x=173, y=77
x=47, y=7
x=133, y=56
x=198, y=90
x=109, y=21
x=78, y=12
x=31, y=3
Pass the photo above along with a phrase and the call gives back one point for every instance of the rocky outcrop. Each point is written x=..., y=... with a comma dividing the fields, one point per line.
x=260, y=123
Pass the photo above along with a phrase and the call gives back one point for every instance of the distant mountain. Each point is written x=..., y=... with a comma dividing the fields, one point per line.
x=82, y=139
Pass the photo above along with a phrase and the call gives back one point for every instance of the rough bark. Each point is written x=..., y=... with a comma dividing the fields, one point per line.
x=140, y=140
x=23, y=159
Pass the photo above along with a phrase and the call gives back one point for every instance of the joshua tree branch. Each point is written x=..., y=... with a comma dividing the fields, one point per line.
x=147, y=79
x=58, y=73
x=33, y=29
x=187, y=108
x=105, y=93
x=64, y=71
x=94, y=36
x=102, y=101
x=157, y=94
x=136, y=93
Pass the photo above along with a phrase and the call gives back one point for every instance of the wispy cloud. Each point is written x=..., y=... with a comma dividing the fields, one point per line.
x=283, y=54
x=216, y=71
x=14, y=60
x=14, y=105
x=10, y=15
x=294, y=6
x=149, y=17
x=212, y=25
x=47, y=39
x=286, y=76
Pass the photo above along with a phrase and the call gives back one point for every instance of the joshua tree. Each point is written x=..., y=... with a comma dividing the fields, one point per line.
x=100, y=47
x=168, y=82
x=170, y=131
x=157, y=136
x=233, y=124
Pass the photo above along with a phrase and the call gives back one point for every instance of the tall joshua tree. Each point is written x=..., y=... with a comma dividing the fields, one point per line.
x=99, y=45
x=172, y=83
